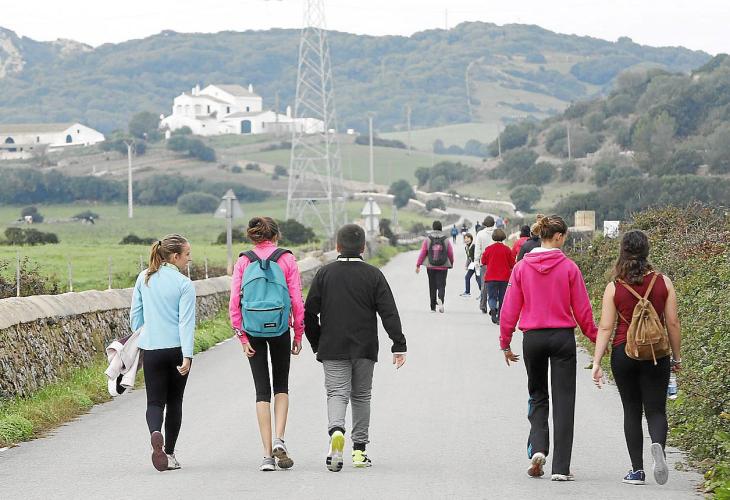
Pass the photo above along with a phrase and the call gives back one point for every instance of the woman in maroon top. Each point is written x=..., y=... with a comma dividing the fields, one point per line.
x=641, y=384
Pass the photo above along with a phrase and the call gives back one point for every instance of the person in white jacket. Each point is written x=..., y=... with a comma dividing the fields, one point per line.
x=482, y=241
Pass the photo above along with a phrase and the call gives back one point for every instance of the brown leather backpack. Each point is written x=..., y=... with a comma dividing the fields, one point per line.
x=646, y=338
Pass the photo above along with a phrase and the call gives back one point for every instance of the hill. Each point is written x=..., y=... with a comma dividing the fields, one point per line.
x=473, y=72
x=657, y=138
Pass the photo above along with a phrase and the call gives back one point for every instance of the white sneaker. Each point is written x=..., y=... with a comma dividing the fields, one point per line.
x=439, y=305
x=661, y=471
x=268, y=464
x=172, y=463
x=464, y=294
x=562, y=477
x=335, y=456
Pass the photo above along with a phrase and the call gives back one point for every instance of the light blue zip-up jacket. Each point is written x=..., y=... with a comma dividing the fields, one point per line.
x=166, y=308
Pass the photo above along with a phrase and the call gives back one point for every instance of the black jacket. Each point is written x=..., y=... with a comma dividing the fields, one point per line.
x=340, y=312
x=469, y=253
x=528, y=246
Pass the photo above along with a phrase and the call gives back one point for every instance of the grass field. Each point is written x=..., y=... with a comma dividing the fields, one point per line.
x=88, y=248
x=458, y=134
x=390, y=164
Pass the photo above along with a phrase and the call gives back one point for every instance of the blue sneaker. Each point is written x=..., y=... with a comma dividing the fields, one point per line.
x=635, y=477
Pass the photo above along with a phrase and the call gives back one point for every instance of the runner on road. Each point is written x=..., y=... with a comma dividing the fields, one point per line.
x=470, y=266
x=482, y=240
x=163, y=302
x=454, y=233
x=438, y=254
x=642, y=384
x=547, y=295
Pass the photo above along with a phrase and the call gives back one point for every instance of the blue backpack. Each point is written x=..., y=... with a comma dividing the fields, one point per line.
x=265, y=301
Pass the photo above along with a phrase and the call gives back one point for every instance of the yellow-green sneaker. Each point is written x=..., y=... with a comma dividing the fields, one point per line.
x=334, y=457
x=360, y=459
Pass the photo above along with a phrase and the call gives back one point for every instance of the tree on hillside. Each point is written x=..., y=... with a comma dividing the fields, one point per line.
x=524, y=197
x=683, y=161
x=652, y=139
x=402, y=191
x=295, y=233
x=422, y=174
x=197, y=203
x=718, y=155
x=513, y=136
x=145, y=125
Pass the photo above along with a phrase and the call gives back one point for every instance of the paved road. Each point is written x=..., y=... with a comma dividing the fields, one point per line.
x=450, y=424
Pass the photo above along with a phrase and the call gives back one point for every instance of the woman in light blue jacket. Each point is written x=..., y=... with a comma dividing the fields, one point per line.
x=163, y=302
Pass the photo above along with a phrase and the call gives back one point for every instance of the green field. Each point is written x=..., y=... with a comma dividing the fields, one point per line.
x=390, y=164
x=88, y=248
x=458, y=134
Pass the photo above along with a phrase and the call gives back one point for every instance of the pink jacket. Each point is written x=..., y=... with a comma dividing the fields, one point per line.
x=288, y=264
x=546, y=290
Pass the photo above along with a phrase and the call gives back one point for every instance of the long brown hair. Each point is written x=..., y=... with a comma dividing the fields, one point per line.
x=633, y=258
x=262, y=229
x=549, y=226
x=162, y=250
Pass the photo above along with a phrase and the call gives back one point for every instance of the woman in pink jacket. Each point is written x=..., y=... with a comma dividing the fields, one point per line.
x=547, y=294
x=264, y=233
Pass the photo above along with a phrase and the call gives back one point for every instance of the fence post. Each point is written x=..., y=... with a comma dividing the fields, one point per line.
x=206, y=268
x=110, y=272
x=17, y=274
x=70, y=278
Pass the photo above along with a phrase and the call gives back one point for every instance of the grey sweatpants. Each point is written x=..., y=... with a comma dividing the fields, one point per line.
x=349, y=380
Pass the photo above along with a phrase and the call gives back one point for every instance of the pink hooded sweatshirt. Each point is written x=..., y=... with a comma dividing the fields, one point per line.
x=546, y=290
x=288, y=264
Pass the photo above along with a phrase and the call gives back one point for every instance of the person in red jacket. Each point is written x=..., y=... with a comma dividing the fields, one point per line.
x=524, y=236
x=499, y=261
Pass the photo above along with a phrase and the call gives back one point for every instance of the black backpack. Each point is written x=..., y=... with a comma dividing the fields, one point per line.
x=438, y=250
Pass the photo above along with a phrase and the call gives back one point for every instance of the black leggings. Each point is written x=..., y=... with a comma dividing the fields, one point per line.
x=642, y=385
x=436, y=285
x=165, y=389
x=554, y=347
x=280, y=348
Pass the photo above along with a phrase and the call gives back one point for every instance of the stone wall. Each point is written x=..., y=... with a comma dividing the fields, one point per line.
x=44, y=336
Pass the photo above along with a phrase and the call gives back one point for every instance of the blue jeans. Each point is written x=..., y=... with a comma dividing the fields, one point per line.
x=495, y=295
x=467, y=280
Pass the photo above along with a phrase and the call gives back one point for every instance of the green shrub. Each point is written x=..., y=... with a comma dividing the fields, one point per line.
x=402, y=191
x=281, y=171
x=238, y=236
x=86, y=215
x=435, y=203
x=197, y=203
x=133, y=239
x=295, y=233
x=14, y=428
x=253, y=167
x=524, y=197
x=568, y=171
x=33, y=213
x=236, y=169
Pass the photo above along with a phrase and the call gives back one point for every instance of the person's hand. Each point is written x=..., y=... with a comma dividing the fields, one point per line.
x=399, y=360
x=676, y=365
x=418, y=269
x=296, y=347
x=510, y=356
x=597, y=375
x=248, y=350
x=185, y=368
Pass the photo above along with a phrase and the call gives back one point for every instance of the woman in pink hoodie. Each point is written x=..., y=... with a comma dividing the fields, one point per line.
x=264, y=233
x=548, y=296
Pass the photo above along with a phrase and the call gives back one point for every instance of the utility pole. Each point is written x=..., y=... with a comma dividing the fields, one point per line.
x=372, y=162
x=408, y=125
x=130, y=198
x=570, y=152
x=499, y=142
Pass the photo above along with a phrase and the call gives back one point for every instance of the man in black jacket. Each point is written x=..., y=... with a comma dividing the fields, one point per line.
x=341, y=324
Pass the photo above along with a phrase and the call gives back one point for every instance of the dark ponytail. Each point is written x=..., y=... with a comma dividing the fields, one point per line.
x=162, y=250
x=633, y=259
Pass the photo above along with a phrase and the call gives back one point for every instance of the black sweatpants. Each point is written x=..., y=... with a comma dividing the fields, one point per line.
x=554, y=347
x=495, y=295
x=165, y=388
x=641, y=386
x=437, y=284
x=280, y=348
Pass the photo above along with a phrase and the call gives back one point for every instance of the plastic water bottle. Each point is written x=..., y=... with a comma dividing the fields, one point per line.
x=672, y=388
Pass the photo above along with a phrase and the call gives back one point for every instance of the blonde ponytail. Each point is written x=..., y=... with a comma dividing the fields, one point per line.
x=162, y=250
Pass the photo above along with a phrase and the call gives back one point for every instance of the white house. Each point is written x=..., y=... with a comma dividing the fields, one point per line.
x=22, y=140
x=231, y=109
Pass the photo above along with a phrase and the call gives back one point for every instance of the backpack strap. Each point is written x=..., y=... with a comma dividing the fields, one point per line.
x=251, y=255
x=651, y=285
x=277, y=254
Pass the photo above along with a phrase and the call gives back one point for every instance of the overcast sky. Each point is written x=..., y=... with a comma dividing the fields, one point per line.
x=696, y=24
